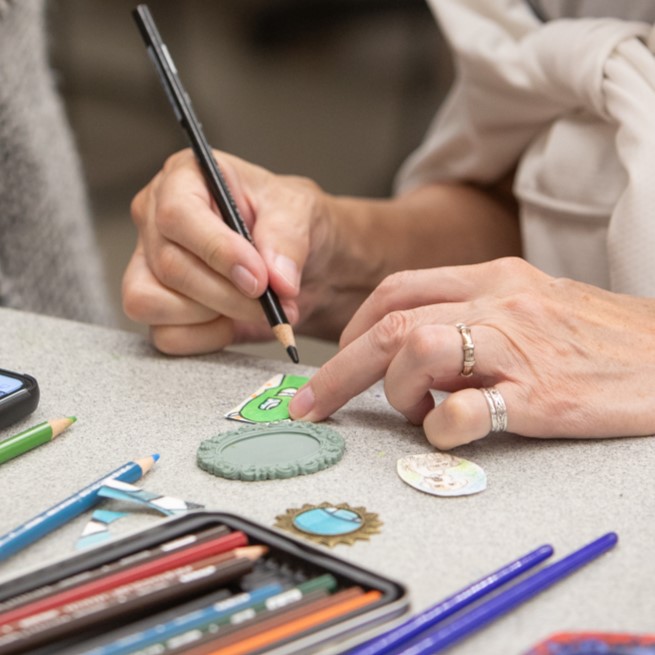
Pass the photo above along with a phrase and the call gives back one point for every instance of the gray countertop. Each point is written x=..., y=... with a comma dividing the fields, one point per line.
x=131, y=401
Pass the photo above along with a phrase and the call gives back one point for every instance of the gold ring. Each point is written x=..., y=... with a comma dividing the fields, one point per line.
x=469, y=350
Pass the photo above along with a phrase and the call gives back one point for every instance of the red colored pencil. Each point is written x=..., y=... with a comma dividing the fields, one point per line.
x=133, y=599
x=125, y=562
x=174, y=560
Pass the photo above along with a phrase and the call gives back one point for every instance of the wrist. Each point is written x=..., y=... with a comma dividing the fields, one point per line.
x=348, y=259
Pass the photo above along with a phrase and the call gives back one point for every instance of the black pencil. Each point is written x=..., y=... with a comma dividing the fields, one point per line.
x=217, y=185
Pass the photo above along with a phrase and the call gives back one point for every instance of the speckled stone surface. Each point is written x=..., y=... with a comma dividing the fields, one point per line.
x=131, y=401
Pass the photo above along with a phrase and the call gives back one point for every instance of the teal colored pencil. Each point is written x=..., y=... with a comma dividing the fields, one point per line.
x=33, y=437
x=69, y=508
x=213, y=616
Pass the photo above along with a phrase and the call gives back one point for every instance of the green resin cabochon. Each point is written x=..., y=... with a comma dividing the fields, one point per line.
x=271, y=451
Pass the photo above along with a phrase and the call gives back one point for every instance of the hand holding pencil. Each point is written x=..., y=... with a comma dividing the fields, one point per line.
x=220, y=238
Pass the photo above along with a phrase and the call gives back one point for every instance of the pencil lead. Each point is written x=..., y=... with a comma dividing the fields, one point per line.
x=292, y=351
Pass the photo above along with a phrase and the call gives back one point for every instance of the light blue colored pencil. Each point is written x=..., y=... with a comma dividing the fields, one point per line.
x=189, y=621
x=69, y=508
x=241, y=607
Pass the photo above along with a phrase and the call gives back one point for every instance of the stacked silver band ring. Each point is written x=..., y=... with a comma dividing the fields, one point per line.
x=497, y=409
x=469, y=350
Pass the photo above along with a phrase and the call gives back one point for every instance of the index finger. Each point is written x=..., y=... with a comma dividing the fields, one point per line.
x=353, y=369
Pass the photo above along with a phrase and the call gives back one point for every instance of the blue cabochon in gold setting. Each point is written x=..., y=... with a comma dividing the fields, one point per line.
x=330, y=523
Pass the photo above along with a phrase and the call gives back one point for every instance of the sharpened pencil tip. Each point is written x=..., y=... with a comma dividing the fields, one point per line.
x=293, y=353
x=156, y=457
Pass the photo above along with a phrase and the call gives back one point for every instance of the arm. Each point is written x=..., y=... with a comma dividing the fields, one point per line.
x=435, y=225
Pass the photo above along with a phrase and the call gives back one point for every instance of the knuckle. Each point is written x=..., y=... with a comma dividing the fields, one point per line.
x=138, y=303
x=524, y=304
x=457, y=414
x=137, y=207
x=510, y=266
x=170, y=268
x=391, y=288
x=391, y=331
x=168, y=340
x=214, y=254
x=171, y=162
x=167, y=215
x=422, y=342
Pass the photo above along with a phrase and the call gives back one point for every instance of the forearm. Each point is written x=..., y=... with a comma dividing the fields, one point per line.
x=436, y=225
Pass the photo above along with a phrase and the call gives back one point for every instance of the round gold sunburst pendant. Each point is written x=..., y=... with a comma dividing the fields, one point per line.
x=330, y=524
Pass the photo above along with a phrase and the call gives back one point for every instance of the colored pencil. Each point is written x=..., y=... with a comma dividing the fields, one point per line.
x=267, y=637
x=33, y=437
x=69, y=508
x=135, y=599
x=441, y=611
x=236, y=609
x=197, y=553
x=200, y=641
x=113, y=634
x=140, y=557
x=139, y=586
x=238, y=632
x=472, y=620
x=216, y=614
x=215, y=181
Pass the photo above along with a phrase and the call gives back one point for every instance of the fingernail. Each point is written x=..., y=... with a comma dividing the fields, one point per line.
x=302, y=403
x=244, y=280
x=288, y=270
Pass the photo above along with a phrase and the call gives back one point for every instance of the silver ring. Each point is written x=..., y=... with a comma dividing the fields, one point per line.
x=469, y=350
x=497, y=408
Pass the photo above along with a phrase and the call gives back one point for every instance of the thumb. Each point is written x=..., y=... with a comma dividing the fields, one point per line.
x=464, y=416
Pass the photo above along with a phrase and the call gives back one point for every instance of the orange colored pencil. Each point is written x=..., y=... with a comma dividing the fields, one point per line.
x=231, y=634
x=292, y=628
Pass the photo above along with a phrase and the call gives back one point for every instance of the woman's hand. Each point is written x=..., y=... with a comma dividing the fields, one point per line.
x=569, y=359
x=194, y=280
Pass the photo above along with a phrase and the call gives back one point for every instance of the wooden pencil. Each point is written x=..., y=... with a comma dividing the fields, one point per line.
x=139, y=557
x=64, y=511
x=288, y=629
x=166, y=563
x=236, y=632
x=134, y=599
x=33, y=437
x=193, y=626
x=196, y=642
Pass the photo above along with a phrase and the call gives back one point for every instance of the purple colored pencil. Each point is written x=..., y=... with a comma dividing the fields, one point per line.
x=472, y=620
x=447, y=607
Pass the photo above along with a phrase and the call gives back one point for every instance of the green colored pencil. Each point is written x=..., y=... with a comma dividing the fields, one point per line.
x=33, y=437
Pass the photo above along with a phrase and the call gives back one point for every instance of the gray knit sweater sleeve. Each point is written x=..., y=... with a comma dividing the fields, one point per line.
x=49, y=261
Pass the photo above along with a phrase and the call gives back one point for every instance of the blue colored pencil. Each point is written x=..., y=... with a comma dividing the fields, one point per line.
x=59, y=514
x=463, y=598
x=437, y=639
x=269, y=597
x=186, y=622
